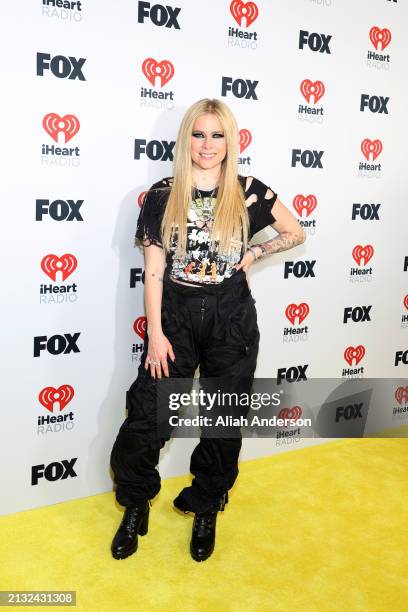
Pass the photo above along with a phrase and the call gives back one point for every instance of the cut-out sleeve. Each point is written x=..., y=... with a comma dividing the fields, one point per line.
x=150, y=217
x=260, y=211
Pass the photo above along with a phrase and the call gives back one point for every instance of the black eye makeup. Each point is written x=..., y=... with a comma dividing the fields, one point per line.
x=201, y=135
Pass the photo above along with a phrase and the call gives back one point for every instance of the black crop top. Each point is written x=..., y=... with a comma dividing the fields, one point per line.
x=200, y=265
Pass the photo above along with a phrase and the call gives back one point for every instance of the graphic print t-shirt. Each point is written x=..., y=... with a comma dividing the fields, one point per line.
x=200, y=264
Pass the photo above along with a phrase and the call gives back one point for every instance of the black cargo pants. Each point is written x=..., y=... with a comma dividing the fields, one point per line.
x=216, y=329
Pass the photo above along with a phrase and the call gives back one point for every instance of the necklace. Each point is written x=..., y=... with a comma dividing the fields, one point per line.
x=209, y=199
x=206, y=190
x=203, y=208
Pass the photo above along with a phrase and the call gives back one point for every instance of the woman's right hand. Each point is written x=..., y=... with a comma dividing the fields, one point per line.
x=159, y=348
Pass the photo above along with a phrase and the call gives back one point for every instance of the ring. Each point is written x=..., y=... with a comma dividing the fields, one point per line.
x=152, y=362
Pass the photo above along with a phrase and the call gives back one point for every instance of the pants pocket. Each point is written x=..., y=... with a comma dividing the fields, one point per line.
x=243, y=327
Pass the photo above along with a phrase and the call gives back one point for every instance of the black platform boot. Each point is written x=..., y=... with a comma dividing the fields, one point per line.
x=203, y=535
x=135, y=521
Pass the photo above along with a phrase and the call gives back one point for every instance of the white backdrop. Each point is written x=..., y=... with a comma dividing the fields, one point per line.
x=96, y=76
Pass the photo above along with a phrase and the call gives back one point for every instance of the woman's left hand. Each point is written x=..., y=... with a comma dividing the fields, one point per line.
x=246, y=263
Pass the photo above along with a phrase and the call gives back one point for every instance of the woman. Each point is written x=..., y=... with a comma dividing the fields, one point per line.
x=195, y=228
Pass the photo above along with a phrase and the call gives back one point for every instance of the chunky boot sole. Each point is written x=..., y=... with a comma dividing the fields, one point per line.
x=143, y=529
x=198, y=557
x=124, y=555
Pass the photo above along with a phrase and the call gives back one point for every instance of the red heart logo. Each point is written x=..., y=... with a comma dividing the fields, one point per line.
x=240, y=10
x=362, y=254
x=307, y=203
x=152, y=69
x=290, y=413
x=401, y=395
x=308, y=89
x=140, y=326
x=51, y=264
x=53, y=124
x=49, y=395
x=356, y=353
x=294, y=310
x=380, y=37
x=245, y=139
x=371, y=146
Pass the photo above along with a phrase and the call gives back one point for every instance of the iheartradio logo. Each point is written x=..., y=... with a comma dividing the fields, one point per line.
x=141, y=198
x=244, y=11
x=371, y=146
x=309, y=89
x=354, y=352
x=162, y=71
x=49, y=397
x=362, y=255
x=401, y=395
x=380, y=37
x=51, y=264
x=290, y=413
x=140, y=326
x=68, y=125
x=299, y=311
x=245, y=139
x=406, y=301
x=304, y=203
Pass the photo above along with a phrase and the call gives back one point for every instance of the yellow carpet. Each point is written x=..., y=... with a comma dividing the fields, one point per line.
x=317, y=529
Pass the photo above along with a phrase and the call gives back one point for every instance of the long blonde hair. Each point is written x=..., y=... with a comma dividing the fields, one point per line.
x=230, y=214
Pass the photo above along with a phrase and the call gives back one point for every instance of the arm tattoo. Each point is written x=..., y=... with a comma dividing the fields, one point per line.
x=282, y=242
x=160, y=278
